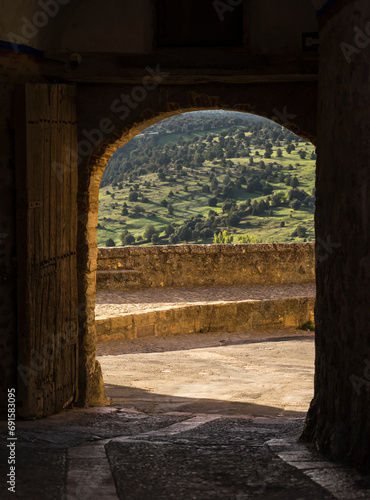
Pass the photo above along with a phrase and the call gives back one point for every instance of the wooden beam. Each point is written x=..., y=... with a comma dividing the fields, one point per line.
x=184, y=79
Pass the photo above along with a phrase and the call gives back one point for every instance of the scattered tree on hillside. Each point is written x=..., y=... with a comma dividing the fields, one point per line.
x=212, y=202
x=295, y=204
x=169, y=230
x=133, y=196
x=154, y=239
x=223, y=238
x=149, y=231
x=184, y=233
x=128, y=239
x=233, y=219
x=300, y=232
x=110, y=243
x=173, y=239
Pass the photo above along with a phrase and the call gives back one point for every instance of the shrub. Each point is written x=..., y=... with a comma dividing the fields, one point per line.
x=155, y=238
x=233, y=219
x=173, y=239
x=169, y=230
x=110, y=243
x=228, y=205
x=223, y=238
x=245, y=238
x=184, y=233
x=133, y=196
x=300, y=232
x=295, y=204
x=149, y=231
x=295, y=182
x=309, y=326
x=206, y=233
x=129, y=239
x=278, y=198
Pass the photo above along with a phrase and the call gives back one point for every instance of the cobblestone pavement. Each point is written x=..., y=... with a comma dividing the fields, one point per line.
x=117, y=303
x=111, y=453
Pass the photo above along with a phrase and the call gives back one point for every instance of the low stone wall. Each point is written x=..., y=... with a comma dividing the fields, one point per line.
x=205, y=265
x=235, y=317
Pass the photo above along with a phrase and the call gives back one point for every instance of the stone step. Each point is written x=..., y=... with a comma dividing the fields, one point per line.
x=237, y=316
x=117, y=279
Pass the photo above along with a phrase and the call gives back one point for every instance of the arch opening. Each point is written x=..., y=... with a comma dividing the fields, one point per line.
x=165, y=100
x=155, y=296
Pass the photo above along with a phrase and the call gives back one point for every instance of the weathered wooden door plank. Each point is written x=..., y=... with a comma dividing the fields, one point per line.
x=47, y=224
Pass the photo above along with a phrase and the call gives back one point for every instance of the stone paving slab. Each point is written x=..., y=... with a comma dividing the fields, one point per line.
x=342, y=482
x=117, y=303
x=209, y=462
x=113, y=453
x=268, y=373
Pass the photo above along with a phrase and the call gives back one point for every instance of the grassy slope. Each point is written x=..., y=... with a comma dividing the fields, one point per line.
x=266, y=228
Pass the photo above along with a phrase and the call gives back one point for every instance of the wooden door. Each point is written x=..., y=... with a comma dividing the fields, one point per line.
x=46, y=180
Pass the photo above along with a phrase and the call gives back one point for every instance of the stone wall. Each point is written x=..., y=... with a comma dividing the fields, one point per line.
x=238, y=316
x=205, y=265
x=338, y=421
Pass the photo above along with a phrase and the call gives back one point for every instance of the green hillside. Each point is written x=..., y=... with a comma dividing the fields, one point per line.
x=203, y=173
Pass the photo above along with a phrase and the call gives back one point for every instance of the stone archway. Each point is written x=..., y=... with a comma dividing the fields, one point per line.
x=109, y=119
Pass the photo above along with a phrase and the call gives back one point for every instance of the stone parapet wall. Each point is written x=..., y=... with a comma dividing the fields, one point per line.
x=252, y=315
x=205, y=265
